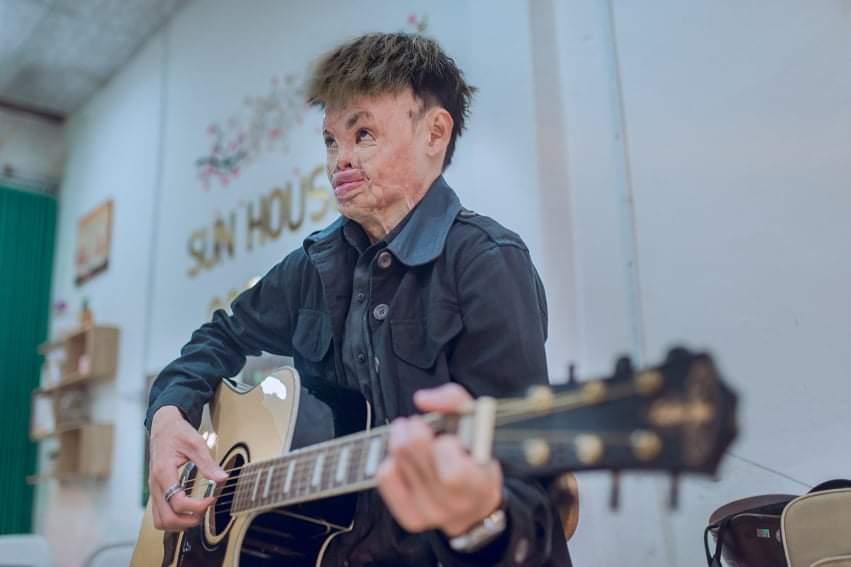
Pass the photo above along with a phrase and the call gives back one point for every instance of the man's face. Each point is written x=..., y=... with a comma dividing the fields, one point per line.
x=376, y=158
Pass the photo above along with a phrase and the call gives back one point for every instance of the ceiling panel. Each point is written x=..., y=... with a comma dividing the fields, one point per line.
x=18, y=19
x=55, y=54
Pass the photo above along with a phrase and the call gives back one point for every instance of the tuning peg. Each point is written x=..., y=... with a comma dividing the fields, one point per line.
x=589, y=448
x=536, y=451
x=541, y=397
x=674, y=493
x=623, y=366
x=615, y=493
x=645, y=445
x=571, y=374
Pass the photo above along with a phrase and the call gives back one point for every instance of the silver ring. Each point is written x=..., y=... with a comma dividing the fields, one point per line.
x=171, y=491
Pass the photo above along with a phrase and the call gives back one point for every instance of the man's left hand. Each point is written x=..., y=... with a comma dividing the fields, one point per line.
x=431, y=481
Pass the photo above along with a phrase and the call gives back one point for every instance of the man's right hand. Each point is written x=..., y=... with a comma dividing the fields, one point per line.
x=173, y=443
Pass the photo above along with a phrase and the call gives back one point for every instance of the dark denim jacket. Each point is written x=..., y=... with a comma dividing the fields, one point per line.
x=462, y=302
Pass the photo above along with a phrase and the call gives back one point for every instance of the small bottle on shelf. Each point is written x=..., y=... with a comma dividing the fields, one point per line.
x=86, y=316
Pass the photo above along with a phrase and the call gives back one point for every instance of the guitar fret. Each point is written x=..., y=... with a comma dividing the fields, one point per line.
x=303, y=476
x=268, y=482
x=289, y=479
x=360, y=465
x=332, y=463
x=317, y=470
x=342, y=464
x=373, y=457
x=297, y=477
x=349, y=472
x=364, y=458
x=327, y=467
x=256, y=485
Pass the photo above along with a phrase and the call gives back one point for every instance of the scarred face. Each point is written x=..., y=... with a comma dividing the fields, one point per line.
x=378, y=158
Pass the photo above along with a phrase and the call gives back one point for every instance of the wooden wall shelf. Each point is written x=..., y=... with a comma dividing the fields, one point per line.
x=62, y=429
x=71, y=381
x=88, y=353
x=85, y=453
x=82, y=356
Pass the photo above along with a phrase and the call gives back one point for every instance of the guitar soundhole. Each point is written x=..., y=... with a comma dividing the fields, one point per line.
x=220, y=517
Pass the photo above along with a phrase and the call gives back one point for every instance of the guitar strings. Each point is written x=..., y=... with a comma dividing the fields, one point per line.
x=353, y=438
x=294, y=455
x=509, y=411
x=510, y=442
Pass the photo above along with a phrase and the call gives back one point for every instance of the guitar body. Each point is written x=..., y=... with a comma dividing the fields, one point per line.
x=246, y=426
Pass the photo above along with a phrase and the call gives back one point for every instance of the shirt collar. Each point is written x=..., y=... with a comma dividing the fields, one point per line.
x=423, y=236
x=354, y=234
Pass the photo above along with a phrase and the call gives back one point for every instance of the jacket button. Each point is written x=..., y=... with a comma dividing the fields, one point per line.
x=361, y=357
x=384, y=260
x=380, y=311
x=360, y=296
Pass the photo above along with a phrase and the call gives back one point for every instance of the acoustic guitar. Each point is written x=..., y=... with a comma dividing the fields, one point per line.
x=297, y=456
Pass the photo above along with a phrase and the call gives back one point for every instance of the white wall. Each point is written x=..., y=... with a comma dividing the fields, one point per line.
x=677, y=171
x=708, y=151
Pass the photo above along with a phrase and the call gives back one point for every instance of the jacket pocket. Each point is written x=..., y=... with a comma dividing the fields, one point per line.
x=419, y=343
x=312, y=335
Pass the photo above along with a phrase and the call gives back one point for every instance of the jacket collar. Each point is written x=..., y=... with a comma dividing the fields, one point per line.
x=423, y=237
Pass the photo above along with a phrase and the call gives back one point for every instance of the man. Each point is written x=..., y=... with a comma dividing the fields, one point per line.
x=408, y=298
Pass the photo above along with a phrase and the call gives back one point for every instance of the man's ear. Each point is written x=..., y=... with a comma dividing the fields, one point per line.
x=439, y=125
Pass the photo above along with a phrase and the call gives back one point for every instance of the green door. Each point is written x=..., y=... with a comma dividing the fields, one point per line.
x=27, y=228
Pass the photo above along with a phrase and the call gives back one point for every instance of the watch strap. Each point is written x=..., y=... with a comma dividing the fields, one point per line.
x=481, y=534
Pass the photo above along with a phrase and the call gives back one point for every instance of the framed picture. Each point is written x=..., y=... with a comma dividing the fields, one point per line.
x=93, y=242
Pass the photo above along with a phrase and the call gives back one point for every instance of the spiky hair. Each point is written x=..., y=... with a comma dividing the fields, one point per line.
x=380, y=63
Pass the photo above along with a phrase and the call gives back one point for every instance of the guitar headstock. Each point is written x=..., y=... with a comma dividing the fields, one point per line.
x=676, y=417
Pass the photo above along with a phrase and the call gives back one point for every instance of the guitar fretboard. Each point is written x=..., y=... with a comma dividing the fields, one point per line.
x=343, y=465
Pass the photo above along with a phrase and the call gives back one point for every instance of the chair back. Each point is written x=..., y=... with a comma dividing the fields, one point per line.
x=817, y=529
x=24, y=550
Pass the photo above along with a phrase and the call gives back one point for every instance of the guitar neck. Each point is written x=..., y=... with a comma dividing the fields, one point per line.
x=679, y=417
x=341, y=466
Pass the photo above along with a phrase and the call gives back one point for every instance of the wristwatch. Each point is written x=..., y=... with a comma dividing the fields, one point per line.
x=481, y=534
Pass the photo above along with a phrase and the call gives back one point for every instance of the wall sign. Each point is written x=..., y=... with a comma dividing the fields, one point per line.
x=258, y=222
